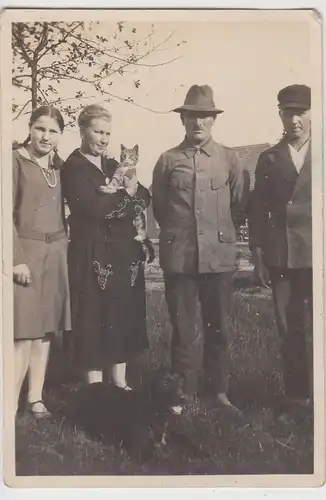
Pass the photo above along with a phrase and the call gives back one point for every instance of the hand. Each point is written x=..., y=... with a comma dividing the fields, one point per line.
x=130, y=184
x=261, y=277
x=22, y=275
x=109, y=189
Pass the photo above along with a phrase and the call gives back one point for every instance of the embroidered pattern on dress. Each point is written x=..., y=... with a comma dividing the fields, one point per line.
x=139, y=205
x=134, y=268
x=103, y=273
x=119, y=211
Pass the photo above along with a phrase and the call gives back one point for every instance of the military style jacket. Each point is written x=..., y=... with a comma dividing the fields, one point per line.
x=194, y=190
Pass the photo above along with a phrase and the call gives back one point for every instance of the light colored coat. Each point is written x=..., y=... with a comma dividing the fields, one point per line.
x=194, y=192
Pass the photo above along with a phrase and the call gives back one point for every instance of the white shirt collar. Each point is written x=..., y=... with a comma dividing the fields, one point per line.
x=298, y=157
x=96, y=160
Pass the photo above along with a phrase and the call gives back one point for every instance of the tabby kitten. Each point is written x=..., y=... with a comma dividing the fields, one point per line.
x=127, y=167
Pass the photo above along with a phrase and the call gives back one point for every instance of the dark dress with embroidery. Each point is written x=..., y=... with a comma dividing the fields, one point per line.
x=106, y=265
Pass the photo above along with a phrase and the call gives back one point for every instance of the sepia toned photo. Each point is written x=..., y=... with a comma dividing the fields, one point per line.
x=162, y=237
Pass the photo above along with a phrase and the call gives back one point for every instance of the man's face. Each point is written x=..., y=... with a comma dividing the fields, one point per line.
x=296, y=122
x=198, y=125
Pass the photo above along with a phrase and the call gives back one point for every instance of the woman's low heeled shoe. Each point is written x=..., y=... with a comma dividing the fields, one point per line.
x=39, y=415
x=126, y=387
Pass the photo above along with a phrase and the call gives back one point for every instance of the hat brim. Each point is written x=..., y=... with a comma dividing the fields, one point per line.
x=295, y=105
x=189, y=107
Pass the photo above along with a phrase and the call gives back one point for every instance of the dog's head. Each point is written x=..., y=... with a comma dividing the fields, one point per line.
x=167, y=389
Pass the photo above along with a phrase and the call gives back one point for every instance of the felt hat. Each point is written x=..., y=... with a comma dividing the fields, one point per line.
x=199, y=98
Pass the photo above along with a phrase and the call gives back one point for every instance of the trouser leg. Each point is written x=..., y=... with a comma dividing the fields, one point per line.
x=291, y=290
x=214, y=295
x=181, y=298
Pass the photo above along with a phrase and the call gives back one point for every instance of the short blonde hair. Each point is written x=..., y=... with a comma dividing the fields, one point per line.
x=91, y=112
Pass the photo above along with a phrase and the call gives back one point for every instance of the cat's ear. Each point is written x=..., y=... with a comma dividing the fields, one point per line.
x=122, y=147
x=136, y=149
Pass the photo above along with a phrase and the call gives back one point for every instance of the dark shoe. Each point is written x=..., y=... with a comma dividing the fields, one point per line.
x=300, y=402
x=225, y=404
x=41, y=413
x=291, y=410
x=286, y=418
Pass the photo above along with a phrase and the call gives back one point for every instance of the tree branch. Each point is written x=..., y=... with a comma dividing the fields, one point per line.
x=99, y=47
x=60, y=42
x=136, y=104
x=21, y=47
x=22, y=86
x=42, y=43
x=16, y=77
x=76, y=51
x=43, y=94
x=22, y=109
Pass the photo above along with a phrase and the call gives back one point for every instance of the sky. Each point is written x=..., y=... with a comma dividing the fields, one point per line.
x=245, y=63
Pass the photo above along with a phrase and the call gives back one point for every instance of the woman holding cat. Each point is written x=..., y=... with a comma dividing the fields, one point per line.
x=104, y=259
x=41, y=288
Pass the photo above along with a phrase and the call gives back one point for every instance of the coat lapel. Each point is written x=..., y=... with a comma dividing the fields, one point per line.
x=304, y=178
x=284, y=163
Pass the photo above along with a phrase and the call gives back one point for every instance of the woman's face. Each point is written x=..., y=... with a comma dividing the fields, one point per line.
x=96, y=137
x=45, y=133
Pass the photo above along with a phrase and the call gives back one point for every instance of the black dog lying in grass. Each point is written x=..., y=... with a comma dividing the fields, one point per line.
x=137, y=421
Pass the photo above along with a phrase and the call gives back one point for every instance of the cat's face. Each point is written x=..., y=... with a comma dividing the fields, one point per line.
x=129, y=156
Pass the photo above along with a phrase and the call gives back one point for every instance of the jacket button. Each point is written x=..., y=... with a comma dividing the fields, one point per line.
x=290, y=202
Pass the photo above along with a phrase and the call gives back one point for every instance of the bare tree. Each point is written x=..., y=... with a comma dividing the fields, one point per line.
x=45, y=54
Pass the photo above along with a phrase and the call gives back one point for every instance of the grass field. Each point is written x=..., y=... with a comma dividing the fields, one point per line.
x=203, y=440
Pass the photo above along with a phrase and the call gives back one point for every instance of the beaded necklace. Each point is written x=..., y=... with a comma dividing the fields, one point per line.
x=47, y=172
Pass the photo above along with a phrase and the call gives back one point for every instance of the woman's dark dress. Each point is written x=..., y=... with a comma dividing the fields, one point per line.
x=106, y=265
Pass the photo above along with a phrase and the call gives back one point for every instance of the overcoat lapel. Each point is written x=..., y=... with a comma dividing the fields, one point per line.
x=284, y=163
x=304, y=178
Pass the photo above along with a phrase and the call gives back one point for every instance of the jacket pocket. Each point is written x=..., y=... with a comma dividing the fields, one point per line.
x=218, y=183
x=181, y=183
x=226, y=236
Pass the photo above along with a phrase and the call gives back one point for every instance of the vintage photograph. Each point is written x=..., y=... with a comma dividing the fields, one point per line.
x=162, y=215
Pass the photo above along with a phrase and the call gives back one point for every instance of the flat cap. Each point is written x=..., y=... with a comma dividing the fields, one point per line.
x=295, y=96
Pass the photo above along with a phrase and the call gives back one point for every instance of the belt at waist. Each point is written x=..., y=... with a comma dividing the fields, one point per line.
x=31, y=234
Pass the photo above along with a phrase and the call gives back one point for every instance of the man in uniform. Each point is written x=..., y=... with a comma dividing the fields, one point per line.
x=195, y=186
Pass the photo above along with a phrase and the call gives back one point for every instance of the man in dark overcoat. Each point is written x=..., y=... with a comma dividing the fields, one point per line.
x=195, y=186
x=281, y=236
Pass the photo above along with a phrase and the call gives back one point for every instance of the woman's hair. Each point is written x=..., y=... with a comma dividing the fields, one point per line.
x=49, y=111
x=91, y=112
